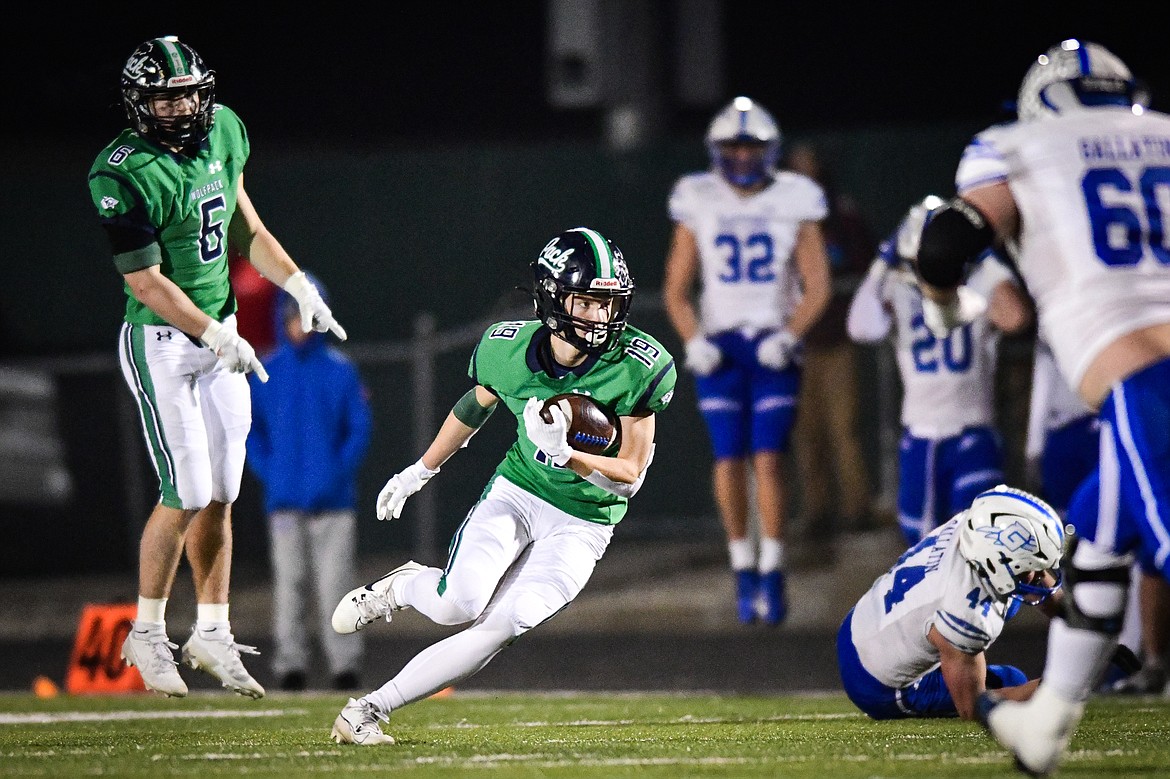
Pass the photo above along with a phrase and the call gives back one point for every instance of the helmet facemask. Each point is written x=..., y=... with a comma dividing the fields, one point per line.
x=1010, y=539
x=165, y=68
x=580, y=266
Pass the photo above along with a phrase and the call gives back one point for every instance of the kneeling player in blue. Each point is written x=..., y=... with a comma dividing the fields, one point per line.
x=915, y=643
x=528, y=547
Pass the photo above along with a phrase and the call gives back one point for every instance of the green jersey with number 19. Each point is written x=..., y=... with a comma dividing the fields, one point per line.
x=514, y=361
x=183, y=204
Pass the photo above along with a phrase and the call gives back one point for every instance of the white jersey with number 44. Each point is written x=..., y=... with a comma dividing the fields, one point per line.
x=748, y=278
x=931, y=585
x=1093, y=191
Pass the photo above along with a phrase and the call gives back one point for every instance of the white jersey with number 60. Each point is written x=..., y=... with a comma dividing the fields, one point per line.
x=1093, y=191
x=930, y=585
x=748, y=278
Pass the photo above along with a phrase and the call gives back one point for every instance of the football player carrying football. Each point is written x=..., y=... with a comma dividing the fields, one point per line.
x=750, y=237
x=530, y=544
x=1079, y=183
x=169, y=192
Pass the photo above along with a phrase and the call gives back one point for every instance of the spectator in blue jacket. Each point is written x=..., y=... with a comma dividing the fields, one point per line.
x=311, y=428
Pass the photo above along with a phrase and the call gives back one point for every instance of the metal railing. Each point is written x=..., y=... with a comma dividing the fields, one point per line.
x=420, y=353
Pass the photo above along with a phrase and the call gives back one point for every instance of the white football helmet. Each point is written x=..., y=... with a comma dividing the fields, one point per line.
x=909, y=236
x=744, y=120
x=1005, y=534
x=1073, y=76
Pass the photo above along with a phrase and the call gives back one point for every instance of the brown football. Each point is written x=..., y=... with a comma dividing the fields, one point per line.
x=593, y=428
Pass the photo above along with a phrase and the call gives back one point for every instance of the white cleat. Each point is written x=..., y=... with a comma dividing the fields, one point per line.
x=358, y=724
x=367, y=604
x=1036, y=731
x=153, y=655
x=219, y=655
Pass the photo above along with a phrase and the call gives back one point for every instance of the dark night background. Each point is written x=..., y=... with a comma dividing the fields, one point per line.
x=458, y=72
x=409, y=156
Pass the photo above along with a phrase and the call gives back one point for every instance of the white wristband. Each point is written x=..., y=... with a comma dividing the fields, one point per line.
x=297, y=285
x=211, y=334
x=621, y=489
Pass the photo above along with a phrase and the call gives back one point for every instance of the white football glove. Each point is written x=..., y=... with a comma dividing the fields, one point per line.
x=702, y=356
x=315, y=315
x=942, y=318
x=775, y=351
x=400, y=487
x=232, y=350
x=549, y=437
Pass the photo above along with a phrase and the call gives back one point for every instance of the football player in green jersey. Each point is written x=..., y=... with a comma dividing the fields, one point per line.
x=169, y=192
x=529, y=545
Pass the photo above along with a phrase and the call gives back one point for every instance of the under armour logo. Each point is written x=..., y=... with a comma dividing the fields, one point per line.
x=215, y=167
x=1014, y=537
x=161, y=334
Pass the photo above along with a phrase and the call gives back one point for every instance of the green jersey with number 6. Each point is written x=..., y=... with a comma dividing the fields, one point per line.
x=514, y=361
x=149, y=195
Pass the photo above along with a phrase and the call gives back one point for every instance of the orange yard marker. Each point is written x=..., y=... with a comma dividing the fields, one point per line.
x=96, y=665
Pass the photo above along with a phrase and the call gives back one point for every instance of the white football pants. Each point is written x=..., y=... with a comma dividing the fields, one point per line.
x=195, y=414
x=515, y=562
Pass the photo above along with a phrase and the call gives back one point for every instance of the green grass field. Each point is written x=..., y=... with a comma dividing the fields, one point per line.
x=543, y=735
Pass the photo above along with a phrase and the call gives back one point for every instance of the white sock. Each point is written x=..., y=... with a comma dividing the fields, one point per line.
x=771, y=555
x=151, y=611
x=1075, y=660
x=210, y=617
x=441, y=665
x=742, y=553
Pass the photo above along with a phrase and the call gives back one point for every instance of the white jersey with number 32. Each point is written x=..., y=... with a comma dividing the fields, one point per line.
x=1093, y=191
x=748, y=278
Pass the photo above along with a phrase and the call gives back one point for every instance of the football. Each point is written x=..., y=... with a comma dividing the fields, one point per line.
x=593, y=428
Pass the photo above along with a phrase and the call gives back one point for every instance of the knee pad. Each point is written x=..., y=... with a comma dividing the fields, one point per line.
x=1094, y=598
x=431, y=593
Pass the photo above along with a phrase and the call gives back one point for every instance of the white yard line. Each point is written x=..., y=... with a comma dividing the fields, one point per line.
x=42, y=718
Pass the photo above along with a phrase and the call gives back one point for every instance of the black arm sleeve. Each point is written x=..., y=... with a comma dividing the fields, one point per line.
x=955, y=235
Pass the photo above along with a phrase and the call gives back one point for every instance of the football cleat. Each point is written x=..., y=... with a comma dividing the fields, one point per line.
x=219, y=655
x=364, y=605
x=1036, y=731
x=1149, y=680
x=747, y=590
x=775, y=600
x=358, y=724
x=152, y=654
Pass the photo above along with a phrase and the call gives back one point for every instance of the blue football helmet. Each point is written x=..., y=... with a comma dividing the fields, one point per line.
x=744, y=121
